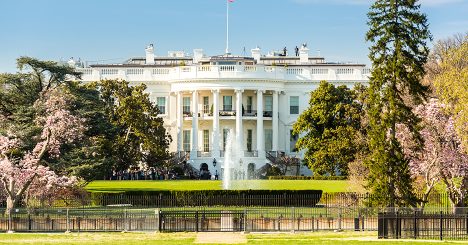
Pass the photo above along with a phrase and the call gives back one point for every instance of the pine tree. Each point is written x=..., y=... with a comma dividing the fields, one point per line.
x=398, y=34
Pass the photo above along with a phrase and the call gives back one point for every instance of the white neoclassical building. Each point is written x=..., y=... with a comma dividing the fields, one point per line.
x=202, y=98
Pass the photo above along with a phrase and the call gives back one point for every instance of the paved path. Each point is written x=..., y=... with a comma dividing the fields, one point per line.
x=221, y=237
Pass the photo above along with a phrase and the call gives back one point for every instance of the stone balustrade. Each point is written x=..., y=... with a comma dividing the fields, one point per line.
x=169, y=74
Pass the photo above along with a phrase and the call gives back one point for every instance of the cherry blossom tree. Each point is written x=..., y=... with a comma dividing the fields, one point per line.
x=21, y=170
x=441, y=157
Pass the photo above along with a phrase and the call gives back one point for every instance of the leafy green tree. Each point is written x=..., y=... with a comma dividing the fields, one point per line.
x=329, y=127
x=141, y=136
x=398, y=33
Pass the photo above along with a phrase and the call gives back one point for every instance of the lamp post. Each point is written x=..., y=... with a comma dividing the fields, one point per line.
x=241, y=169
x=216, y=171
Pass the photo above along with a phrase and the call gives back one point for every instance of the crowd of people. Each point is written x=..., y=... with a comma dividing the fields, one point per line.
x=144, y=174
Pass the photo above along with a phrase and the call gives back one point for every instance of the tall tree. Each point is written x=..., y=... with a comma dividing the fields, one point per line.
x=141, y=136
x=329, y=127
x=22, y=167
x=35, y=121
x=398, y=33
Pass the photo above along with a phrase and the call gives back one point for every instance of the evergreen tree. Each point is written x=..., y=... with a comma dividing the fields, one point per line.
x=398, y=34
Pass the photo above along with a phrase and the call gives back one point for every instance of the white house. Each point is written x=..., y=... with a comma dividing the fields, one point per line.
x=202, y=97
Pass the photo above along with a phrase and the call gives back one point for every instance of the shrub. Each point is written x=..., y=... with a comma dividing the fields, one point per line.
x=315, y=177
x=209, y=198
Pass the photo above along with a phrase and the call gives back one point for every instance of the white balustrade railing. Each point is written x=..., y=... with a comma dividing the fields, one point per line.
x=319, y=71
x=161, y=71
x=342, y=71
x=135, y=71
x=110, y=71
x=227, y=71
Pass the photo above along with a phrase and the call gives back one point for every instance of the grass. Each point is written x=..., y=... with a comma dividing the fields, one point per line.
x=149, y=185
x=140, y=238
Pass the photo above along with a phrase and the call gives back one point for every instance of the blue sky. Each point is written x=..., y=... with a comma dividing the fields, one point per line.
x=114, y=30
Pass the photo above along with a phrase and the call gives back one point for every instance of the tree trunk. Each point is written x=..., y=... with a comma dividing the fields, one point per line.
x=11, y=204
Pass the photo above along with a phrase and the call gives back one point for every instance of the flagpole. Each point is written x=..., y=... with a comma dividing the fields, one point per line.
x=227, y=26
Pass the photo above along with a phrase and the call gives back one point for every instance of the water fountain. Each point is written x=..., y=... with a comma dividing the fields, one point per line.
x=233, y=167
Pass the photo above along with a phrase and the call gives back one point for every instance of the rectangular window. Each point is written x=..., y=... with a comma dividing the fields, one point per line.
x=294, y=105
x=161, y=103
x=268, y=103
x=225, y=135
x=186, y=140
x=268, y=139
x=249, y=140
x=292, y=141
x=206, y=140
x=249, y=104
x=227, y=103
x=206, y=105
x=186, y=105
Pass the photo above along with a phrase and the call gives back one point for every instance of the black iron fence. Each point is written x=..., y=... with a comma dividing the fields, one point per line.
x=423, y=225
x=188, y=219
x=401, y=223
x=436, y=202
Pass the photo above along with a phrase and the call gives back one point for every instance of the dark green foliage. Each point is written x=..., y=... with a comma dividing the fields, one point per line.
x=315, y=177
x=398, y=33
x=92, y=158
x=329, y=125
x=141, y=135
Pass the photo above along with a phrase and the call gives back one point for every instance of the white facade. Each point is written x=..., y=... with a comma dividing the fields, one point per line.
x=202, y=97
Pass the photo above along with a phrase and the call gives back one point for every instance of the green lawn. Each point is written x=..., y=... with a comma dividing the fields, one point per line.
x=140, y=238
x=148, y=185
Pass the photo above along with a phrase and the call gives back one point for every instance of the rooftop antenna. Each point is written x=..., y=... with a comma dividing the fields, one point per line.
x=227, y=25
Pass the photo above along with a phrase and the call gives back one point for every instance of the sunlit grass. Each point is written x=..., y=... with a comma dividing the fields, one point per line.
x=149, y=185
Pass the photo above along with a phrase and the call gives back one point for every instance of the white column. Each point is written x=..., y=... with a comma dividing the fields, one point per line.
x=274, y=123
x=239, y=128
x=180, y=121
x=193, y=153
x=260, y=129
x=216, y=137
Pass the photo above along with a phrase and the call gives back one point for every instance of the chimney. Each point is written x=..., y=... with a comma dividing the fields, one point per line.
x=197, y=55
x=304, y=54
x=256, y=54
x=149, y=55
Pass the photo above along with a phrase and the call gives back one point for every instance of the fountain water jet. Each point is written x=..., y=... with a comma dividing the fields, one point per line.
x=232, y=160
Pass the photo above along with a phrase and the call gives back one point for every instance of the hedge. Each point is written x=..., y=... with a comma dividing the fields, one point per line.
x=180, y=198
x=316, y=177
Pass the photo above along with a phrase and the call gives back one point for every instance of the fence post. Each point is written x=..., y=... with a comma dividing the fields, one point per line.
x=440, y=226
x=29, y=222
x=158, y=213
x=415, y=225
x=339, y=219
x=10, y=222
x=293, y=223
x=245, y=219
x=196, y=221
x=68, y=222
x=125, y=220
